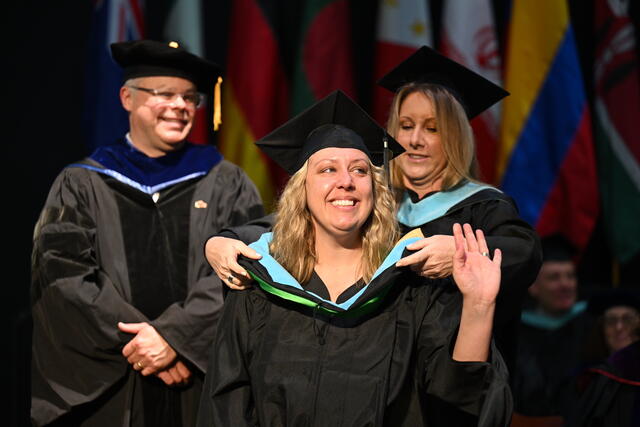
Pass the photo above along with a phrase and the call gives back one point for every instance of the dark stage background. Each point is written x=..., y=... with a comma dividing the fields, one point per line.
x=47, y=51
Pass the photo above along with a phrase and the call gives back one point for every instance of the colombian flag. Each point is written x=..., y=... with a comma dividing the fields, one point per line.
x=546, y=160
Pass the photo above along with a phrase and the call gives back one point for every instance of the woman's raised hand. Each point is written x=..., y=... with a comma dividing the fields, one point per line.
x=474, y=271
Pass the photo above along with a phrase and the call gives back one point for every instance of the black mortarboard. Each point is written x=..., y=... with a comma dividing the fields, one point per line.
x=601, y=301
x=334, y=121
x=147, y=58
x=426, y=65
x=556, y=247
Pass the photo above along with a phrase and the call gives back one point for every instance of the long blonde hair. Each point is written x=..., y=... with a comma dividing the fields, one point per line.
x=293, y=243
x=455, y=131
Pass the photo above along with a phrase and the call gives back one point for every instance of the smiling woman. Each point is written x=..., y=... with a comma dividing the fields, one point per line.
x=334, y=333
x=338, y=185
x=437, y=179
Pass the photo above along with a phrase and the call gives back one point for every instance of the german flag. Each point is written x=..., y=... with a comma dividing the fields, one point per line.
x=282, y=57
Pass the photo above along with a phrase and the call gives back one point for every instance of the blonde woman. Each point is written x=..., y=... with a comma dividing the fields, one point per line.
x=436, y=179
x=334, y=333
x=436, y=186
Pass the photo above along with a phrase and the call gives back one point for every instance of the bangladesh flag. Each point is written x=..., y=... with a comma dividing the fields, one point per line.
x=324, y=53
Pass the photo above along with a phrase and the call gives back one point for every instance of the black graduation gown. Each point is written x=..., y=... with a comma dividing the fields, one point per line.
x=285, y=356
x=496, y=214
x=104, y=252
x=611, y=394
x=548, y=362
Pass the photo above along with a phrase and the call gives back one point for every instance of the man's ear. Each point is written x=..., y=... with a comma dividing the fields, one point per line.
x=534, y=289
x=126, y=98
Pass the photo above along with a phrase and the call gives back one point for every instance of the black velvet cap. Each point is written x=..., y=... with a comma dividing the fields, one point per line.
x=145, y=58
x=556, y=247
x=603, y=300
x=426, y=65
x=334, y=121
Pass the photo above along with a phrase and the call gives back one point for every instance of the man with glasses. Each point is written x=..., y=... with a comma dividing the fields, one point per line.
x=124, y=303
x=609, y=384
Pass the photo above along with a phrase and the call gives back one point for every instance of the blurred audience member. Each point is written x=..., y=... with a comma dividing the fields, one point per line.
x=609, y=389
x=550, y=339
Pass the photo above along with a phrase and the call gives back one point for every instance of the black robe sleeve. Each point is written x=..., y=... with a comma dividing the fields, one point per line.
x=497, y=216
x=70, y=289
x=227, y=396
x=458, y=393
x=520, y=246
x=251, y=231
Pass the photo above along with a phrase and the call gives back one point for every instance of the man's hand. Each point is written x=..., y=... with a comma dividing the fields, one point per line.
x=147, y=351
x=177, y=374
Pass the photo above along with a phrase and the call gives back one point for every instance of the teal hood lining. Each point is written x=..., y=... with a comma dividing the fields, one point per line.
x=282, y=277
x=436, y=205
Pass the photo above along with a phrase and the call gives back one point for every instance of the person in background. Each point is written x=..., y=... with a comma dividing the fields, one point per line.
x=608, y=390
x=334, y=333
x=551, y=335
x=124, y=303
x=436, y=184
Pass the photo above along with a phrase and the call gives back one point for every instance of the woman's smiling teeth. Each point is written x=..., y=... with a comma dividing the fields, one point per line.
x=343, y=202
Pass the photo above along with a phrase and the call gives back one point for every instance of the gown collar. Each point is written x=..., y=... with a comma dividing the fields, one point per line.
x=414, y=212
x=544, y=321
x=276, y=280
x=127, y=164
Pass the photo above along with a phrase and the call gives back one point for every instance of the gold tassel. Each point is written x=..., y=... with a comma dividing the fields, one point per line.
x=217, y=110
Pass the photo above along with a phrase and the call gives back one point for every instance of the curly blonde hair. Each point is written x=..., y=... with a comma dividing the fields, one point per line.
x=455, y=132
x=293, y=243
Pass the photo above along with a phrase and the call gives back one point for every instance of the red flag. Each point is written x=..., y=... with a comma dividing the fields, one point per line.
x=254, y=95
x=617, y=110
x=469, y=37
x=325, y=43
x=403, y=27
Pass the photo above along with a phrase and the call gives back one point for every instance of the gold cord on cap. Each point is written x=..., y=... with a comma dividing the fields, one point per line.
x=217, y=111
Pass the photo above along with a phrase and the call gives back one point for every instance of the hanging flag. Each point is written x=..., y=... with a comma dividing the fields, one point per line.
x=325, y=44
x=617, y=112
x=403, y=27
x=546, y=159
x=112, y=21
x=255, y=94
x=184, y=25
x=469, y=37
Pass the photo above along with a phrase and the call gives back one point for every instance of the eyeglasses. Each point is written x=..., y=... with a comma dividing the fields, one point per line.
x=625, y=319
x=192, y=99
